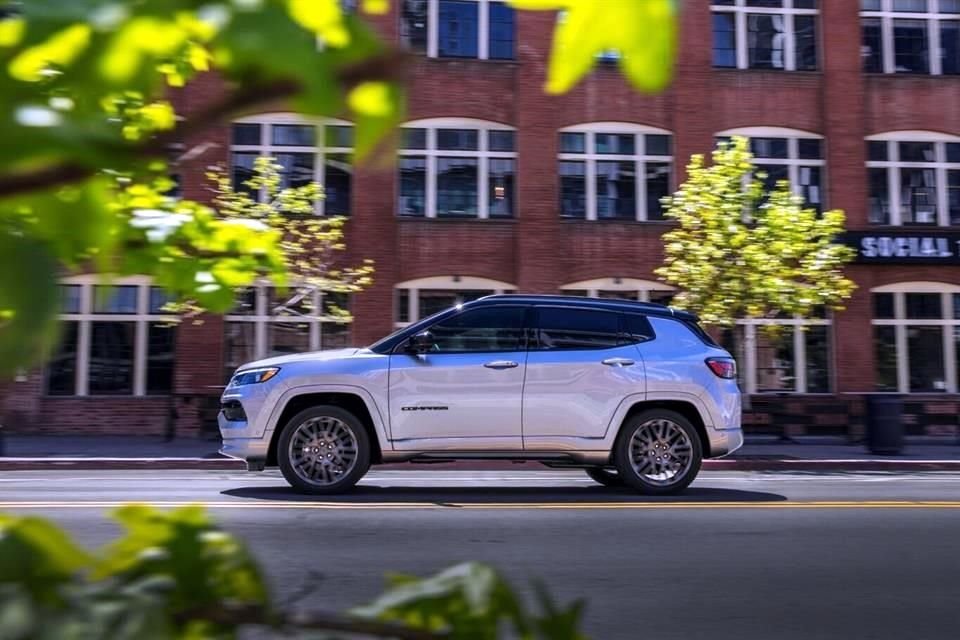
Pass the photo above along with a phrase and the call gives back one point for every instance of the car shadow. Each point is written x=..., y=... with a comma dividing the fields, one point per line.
x=366, y=494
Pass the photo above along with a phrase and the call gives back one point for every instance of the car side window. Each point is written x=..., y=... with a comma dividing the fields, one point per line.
x=636, y=328
x=569, y=329
x=487, y=329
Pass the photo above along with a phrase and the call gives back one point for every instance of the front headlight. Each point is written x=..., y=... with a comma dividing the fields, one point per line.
x=253, y=376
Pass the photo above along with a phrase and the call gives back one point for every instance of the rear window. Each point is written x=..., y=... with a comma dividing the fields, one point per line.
x=566, y=329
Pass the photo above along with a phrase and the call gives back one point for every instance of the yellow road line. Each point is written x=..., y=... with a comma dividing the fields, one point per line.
x=108, y=504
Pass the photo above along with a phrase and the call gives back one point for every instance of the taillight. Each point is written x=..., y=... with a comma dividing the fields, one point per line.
x=723, y=367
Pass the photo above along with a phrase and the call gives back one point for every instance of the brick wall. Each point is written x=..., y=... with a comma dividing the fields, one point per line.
x=537, y=250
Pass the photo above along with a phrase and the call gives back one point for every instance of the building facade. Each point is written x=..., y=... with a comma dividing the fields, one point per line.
x=498, y=187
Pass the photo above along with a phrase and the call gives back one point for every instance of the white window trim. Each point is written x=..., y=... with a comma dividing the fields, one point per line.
x=448, y=283
x=741, y=10
x=900, y=322
x=640, y=159
x=483, y=156
x=483, y=30
x=262, y=319
x=940, y=166
x=932, y=17
x=793, y=162
x=640, y=288
x=751, y=357
x=319, y=151
x=86, y=317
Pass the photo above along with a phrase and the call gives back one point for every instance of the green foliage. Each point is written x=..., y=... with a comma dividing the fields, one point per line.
x=175, y=575
x=310, y=244
x=643, y=32
x=741, y=252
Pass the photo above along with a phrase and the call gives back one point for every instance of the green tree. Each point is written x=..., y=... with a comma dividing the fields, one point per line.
x=87, y=126
x=740, y=251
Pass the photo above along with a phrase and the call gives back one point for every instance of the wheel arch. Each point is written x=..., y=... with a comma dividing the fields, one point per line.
x=687, y=409
x=351, y=402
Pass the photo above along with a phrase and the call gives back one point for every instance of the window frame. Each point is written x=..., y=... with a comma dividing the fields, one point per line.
x=262, y=319
x=750, y=359
x=483, y=31
x=450, y=283
x=640, y=288
x=319, y=150
x=640, y=159
x=893, y=166
x=793, y=161
x=483, y=155
x=900, y=322
x=740, y=10
x=932, y=17
x=142, y=319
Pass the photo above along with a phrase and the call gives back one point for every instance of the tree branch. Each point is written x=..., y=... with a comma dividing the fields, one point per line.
x=388, y=65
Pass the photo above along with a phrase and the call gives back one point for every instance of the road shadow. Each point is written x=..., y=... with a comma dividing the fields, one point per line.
x=365, y=494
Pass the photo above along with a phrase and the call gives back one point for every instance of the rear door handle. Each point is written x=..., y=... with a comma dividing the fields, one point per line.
x=501, y=364
x=618, y=362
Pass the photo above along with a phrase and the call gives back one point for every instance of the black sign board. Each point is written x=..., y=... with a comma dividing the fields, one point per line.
x=904, y=247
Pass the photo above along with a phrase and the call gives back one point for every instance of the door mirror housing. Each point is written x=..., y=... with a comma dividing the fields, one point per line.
x=421, y=343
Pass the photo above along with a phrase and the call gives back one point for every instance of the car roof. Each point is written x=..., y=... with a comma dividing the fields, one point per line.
x=580, y=302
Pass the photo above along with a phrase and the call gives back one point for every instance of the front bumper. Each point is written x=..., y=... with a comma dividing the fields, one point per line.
x=724, y=441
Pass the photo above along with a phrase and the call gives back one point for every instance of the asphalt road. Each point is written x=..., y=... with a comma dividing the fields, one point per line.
x=740, y=555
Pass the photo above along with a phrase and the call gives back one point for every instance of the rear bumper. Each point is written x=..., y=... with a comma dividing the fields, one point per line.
x=724, y=441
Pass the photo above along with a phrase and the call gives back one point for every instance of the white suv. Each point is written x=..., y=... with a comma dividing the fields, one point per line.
x=636, y=394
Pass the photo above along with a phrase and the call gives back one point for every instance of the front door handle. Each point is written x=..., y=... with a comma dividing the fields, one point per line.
x=501, y=364
x=618, y=362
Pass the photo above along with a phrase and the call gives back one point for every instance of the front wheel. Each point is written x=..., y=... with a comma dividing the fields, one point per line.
x=323, y=450
x=658, y=452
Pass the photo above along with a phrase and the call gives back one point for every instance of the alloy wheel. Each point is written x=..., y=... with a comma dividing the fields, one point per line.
x=323, y=450
x=660, y=451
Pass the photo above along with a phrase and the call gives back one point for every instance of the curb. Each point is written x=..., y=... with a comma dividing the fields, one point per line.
x=228, y=464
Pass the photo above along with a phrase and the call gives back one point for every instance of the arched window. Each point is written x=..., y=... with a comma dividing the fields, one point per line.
x=796, y=358
x=788, y=154
x=117, y=339
x=915, y=336
x=914, y=178
x=308, y=150
x=457, y=168
x=417, y=299
x=621, y=289
x=614, y=171
x=766, y=34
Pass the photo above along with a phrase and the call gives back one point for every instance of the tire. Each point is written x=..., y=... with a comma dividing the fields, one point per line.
x=604, y=476
x=338, y=454
x=658, y=452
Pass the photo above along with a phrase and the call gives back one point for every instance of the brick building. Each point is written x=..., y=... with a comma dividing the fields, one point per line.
x=499, y=187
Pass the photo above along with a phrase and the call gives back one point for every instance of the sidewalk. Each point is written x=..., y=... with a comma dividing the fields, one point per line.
x=21, y=451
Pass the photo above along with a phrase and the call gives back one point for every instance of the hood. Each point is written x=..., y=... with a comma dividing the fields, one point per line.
x=311, y=356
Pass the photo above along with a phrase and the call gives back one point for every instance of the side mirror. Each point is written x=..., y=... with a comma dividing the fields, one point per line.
x=421, y=342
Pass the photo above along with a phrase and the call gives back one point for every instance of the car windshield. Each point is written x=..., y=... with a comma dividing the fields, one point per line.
x=389, y=341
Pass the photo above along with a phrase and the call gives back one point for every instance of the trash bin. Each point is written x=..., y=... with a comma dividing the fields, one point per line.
x=884, y=424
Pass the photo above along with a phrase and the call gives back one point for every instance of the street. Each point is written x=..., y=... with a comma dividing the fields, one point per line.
x=740, y=555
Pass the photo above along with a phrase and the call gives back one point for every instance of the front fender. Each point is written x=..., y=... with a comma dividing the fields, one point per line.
x=379, y=424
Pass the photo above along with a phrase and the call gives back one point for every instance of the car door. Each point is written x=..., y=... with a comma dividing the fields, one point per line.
x=582, y=363
x=466, y=392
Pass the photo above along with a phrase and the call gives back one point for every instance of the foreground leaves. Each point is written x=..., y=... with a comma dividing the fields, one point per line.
x=176, y=575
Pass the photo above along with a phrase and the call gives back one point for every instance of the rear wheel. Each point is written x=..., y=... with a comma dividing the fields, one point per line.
x=604, y=476
x=323, y=450
x=658, y=452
